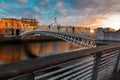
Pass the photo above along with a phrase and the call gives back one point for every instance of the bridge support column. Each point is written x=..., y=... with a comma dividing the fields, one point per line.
x=31, y=76
x=96, y=66
x=117, y=63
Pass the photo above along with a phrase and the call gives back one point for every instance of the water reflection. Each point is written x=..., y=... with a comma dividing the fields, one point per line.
x=16, y=52
x=49, y=47
x=11, y=53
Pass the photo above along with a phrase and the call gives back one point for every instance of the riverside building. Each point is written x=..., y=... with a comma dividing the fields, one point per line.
x=12, y=26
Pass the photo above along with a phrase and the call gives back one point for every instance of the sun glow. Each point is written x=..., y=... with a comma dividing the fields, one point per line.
x=91, y=31
x=113, y=22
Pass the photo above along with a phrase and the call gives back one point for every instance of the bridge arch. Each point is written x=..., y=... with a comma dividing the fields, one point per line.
x=76, y=39
x=25, y=34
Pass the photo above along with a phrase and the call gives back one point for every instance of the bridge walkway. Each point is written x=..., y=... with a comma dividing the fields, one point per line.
x=79, y=39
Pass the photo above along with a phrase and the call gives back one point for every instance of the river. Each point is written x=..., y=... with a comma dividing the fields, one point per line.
x=12, y=52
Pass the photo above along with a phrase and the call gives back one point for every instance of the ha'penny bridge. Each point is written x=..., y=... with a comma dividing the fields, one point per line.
x=79, y=39
x=92, y=63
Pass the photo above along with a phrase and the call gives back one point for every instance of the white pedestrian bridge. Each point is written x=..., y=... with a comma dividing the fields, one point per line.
x=80, y=39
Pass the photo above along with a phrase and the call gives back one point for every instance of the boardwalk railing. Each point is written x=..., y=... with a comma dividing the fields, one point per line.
x=98, y=63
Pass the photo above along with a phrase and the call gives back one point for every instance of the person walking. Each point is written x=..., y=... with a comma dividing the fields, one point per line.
x=67, y=29
x=73, y=30
x=49, y=27
x=58, y=28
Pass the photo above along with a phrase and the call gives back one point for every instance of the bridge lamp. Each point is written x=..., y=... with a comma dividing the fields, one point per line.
x=92, y=31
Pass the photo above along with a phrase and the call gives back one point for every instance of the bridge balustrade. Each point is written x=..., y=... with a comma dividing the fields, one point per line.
x=87, y=41
x=83, y=41
x=98, y=63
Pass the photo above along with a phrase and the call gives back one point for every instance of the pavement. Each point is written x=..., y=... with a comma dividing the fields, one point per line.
x=116, y=76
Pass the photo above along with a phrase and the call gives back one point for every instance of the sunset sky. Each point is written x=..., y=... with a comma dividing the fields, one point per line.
x=90, y=13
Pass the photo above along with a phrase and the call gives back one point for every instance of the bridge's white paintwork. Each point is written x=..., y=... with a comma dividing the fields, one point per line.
x=79, y=39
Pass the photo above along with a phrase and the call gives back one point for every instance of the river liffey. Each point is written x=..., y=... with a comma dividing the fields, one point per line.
x=12, y=52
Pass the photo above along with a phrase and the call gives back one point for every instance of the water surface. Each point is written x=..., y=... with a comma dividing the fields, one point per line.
x=12, y=52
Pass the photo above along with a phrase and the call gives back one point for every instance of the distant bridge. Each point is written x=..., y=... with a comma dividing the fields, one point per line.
x=79, y=39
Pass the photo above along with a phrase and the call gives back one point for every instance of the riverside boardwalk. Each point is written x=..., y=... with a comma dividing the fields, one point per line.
x=116, y=76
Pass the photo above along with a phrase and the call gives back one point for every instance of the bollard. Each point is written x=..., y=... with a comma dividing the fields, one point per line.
x=117, y=63
x=31, y=76
x=96, y=66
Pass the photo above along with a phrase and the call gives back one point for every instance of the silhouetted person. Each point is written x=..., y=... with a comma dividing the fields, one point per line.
x=58, y=28
x=73, y=29
x=67, y=29
x=49, y=27
x=12, y=31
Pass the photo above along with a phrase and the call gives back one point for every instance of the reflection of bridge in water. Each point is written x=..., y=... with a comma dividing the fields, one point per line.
x=79, y=39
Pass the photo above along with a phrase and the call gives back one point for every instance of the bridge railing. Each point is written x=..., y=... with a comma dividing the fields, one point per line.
x=77, y=33
x=98, y=63
x=86, y=35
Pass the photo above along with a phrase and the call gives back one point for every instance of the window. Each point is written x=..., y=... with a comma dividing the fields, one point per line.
x=17, y=25
x=6, y=24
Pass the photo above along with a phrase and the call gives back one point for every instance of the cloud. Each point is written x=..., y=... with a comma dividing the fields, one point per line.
x=36, y=9
x=68, y=12
x=2, y=15
x=63, y=12
x=44, y=3
x=22, y=1
x=96, y=11
x=59, y=4
x=3, y=5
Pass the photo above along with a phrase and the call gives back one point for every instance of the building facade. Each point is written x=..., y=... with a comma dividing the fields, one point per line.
x=28, y=24
x=107, y=34
x=12, y=26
